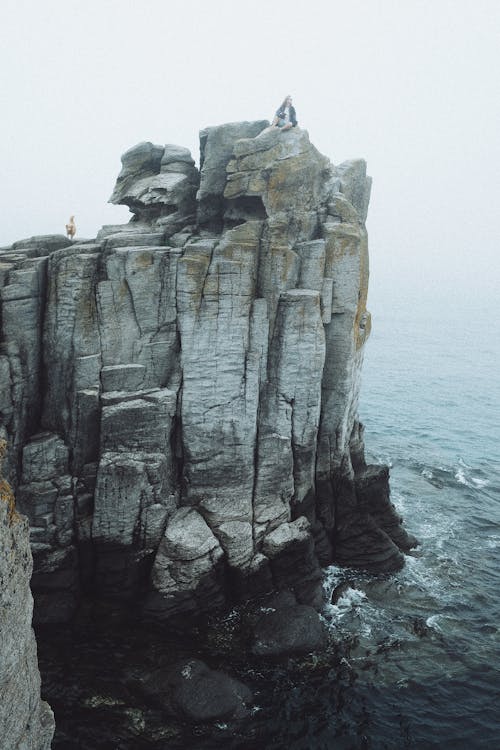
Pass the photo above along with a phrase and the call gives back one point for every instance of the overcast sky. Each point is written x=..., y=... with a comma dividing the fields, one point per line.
x=413, y=87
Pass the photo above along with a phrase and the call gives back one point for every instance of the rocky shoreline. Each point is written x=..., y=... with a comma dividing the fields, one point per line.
x=121, y=683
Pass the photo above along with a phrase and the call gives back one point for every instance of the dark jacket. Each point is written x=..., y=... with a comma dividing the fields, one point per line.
x=281, y=114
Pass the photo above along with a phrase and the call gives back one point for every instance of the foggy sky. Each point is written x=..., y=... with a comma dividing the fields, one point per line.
x=412, y=87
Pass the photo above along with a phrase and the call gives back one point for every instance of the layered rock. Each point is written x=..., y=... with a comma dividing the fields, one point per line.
x=183, y=394
x=25, y=720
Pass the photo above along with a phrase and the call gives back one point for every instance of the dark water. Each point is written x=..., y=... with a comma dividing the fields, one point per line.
x=417, y=660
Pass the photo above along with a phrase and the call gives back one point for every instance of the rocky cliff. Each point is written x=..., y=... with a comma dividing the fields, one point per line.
x=26, y=722
x=181, y=393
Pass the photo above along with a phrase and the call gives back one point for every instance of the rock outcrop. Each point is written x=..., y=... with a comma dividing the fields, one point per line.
x=25, y=720
x=182, y=392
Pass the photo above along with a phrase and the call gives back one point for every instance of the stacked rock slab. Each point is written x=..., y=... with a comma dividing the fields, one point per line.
x=25, y=720
x=186, y=427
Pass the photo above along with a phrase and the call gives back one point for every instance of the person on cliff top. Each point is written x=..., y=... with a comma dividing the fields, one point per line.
x=285, y=117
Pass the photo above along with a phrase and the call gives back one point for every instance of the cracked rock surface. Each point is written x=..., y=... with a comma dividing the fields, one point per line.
x=181, y=393
x=26, y=722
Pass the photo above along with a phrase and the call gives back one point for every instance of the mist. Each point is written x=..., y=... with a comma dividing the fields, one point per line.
x=413, y=88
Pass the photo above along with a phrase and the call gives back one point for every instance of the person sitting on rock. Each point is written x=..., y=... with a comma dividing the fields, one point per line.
x=285, y=117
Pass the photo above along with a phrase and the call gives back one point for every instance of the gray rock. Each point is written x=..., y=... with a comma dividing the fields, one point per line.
x=199, y=693
x=123, y=377
x=46, y=497
x=35, y=247
x=25, y=720
x=185, y=573
x=216, y=149
x=158, y=184
x=288, y=630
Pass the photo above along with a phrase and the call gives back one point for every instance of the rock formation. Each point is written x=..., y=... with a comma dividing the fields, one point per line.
x=25, y=721
x=182, y=392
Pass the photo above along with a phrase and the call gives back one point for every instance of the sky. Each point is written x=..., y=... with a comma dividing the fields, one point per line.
x=412, y=87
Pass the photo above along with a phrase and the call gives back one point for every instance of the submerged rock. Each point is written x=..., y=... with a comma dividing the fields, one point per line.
x=198, y=692
x=182, y=393
x=288, y=630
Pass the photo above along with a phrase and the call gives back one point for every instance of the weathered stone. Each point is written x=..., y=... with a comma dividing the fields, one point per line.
x=22, y=305
x=123, y=377
x=288, y=630
x=198, y=692
x=197, y=373
x=46, y=497
x=186, y=575
x=35, y=247
x=137, y=313
x=25, y=720
x=143, y=424
x=158, y=184
x=216, y=149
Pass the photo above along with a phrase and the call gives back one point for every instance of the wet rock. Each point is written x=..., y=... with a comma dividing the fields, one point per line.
x=340, y=590
x=420, y=627
x=198, y=692
x=288, y=630
x=372, y=490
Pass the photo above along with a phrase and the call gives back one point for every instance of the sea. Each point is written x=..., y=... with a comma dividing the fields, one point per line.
x=417, y=661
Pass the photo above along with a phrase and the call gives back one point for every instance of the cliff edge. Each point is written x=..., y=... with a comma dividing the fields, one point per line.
x=26, y=722
x=182, y=391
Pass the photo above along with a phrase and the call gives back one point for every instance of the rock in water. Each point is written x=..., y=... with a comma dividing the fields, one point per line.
x=25, y=720
x=182, y=392
x=199, y=693
x=288, y=630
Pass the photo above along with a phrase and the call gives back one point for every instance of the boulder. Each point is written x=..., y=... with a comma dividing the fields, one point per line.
x=158, y=184
x=198, y=692
x=288, y=630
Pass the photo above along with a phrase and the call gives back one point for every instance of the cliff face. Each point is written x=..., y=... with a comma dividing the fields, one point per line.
x=182, y=392
x=25, y=721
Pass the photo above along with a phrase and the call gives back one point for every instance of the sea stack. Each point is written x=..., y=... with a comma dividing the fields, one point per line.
x=181, y=393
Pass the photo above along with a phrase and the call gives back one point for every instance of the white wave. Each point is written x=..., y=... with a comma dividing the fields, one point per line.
x=480, y=482
x=347, y=605
x=466, y=479
x=333, y=576
x=350, y=598
x=432, y=622
x=420, y=576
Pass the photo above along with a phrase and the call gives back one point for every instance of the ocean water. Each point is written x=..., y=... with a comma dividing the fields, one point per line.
x=431, y=408
x=417, y=661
